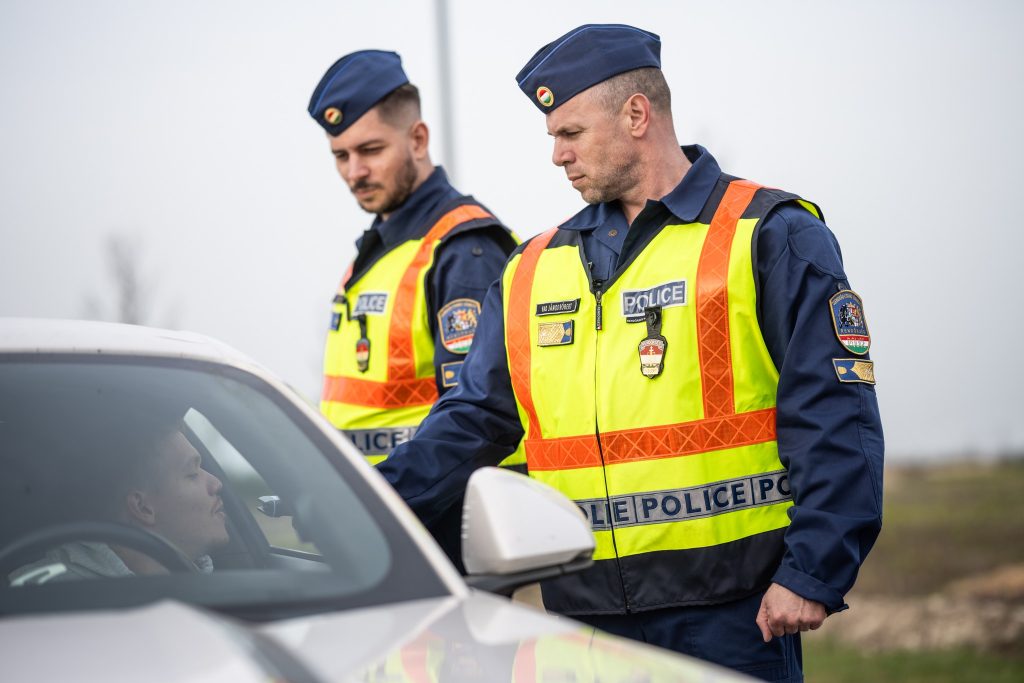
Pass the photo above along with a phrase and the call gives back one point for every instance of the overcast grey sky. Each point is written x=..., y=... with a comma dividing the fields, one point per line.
x=183, y=125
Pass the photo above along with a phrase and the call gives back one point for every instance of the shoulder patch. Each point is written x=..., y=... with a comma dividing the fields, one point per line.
x=854, y=370
x=457, y=323
x=450, y=373
x=848, y=320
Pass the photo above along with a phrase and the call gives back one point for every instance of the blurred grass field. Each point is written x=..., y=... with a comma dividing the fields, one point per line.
x=941, y=524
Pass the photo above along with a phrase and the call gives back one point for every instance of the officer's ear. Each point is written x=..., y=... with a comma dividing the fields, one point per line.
x=419, y=138
x=638, y=111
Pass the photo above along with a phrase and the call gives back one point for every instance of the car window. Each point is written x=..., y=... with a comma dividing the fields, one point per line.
x=124, y=481
x=266, y=508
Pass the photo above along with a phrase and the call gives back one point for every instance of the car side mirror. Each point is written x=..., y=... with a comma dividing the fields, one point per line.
x=516, y=530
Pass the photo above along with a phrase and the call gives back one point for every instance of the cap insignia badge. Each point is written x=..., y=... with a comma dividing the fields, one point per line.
x=545, y=96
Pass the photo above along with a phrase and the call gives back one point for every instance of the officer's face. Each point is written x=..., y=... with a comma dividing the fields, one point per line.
x=592, y=145
x=378, y=162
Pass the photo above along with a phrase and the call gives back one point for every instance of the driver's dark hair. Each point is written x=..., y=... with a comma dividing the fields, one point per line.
x=118, y=455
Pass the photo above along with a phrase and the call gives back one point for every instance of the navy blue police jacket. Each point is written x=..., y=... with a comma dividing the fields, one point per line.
x=829, y=432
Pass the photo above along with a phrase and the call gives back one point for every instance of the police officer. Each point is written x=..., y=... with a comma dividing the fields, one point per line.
x=676, y=357
x=406, y=311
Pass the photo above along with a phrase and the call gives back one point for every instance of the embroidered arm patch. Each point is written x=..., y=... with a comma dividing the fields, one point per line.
x=854, y=370
x=457, y=322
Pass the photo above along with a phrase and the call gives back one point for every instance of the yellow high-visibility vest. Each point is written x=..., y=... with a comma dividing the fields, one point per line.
x=379, y=374
x=652, y=404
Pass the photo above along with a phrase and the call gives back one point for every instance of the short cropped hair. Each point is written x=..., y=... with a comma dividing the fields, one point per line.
x=648, y=81
x=400, y=105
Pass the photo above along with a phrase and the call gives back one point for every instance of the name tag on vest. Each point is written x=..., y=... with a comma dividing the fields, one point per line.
x=556, y=307
x=635, y=301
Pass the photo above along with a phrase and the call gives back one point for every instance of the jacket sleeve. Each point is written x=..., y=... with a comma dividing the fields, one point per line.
x=473, y=425
x=829, y=432
x=466, y=265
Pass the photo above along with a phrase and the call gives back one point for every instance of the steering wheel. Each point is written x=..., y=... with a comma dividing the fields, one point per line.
x=27, y=548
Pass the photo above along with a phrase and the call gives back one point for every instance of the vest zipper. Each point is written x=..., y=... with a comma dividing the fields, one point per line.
x=599, y=314
x=597, y=289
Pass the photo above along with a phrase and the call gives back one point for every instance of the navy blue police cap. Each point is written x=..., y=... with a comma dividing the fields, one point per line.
x=584, y=57
x=353, y=85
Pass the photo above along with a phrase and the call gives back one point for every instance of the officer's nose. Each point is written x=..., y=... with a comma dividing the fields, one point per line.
x=561, y=155
x=356, y=169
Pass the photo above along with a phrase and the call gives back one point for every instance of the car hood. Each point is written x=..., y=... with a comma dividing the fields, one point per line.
x=478, y=638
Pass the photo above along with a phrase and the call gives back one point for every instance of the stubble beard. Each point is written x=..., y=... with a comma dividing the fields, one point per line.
x=612, y=184
x=405, y=179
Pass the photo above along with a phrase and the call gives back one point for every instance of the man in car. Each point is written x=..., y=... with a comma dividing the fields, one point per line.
x=151, y=479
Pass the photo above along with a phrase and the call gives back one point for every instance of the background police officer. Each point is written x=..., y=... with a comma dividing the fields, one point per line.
x=407, y=309
x=674, y=357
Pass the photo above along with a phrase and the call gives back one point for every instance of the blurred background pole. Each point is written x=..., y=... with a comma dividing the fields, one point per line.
x=444, y=63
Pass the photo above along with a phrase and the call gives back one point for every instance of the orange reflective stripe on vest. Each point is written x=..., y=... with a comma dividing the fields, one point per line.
x=519, y=326
x=402, y=387
x=713, y=300
x=390, y=394
x=652, y=443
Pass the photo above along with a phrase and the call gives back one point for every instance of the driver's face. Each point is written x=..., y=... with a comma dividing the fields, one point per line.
x=185, y=498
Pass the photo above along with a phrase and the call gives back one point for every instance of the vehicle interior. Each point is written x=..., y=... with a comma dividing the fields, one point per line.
x=292, y=524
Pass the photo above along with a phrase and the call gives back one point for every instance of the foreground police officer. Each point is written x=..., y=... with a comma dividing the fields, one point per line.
x=406, y=311
x=688, y=363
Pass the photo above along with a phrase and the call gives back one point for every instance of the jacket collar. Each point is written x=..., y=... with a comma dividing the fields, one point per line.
x=409, y=220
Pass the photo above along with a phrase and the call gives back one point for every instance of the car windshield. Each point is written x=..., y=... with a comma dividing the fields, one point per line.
x=123, y=481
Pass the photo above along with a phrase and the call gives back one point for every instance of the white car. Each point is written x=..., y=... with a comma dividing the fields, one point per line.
x=170, y=511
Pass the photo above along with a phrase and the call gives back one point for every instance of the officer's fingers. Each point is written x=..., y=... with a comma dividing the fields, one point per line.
x=762, y=623
x=813, y=616
x=778, y=626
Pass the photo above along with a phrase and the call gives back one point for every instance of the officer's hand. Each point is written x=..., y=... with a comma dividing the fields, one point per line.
x=783, y=611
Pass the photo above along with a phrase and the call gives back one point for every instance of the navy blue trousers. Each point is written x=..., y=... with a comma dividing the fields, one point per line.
x=723, y=634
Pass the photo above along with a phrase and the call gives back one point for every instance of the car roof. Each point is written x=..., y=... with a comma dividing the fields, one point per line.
x=39, y=335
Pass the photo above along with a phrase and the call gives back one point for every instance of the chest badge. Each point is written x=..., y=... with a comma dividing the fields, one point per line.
x=555, y=334
x=652, y=348
x=362, y=345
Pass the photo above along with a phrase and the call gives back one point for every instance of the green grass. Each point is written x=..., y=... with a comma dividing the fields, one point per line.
x=828, y=662
x=942, y=523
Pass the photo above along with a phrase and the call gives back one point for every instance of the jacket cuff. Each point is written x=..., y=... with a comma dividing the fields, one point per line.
x=806, y=586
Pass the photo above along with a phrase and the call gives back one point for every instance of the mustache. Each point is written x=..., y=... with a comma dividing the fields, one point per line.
x=364, y=185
